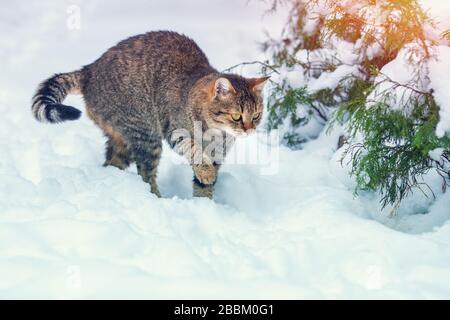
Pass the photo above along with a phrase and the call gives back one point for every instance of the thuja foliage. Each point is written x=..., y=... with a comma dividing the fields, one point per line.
x=308, y=46
x=284, y=102
x=395, y=151
x=388, y=146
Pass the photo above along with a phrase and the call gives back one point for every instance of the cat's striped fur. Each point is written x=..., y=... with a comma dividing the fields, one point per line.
x=142, y=90
x=46, y=104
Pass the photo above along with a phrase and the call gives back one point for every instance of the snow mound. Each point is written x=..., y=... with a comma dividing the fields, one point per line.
x=70, y=228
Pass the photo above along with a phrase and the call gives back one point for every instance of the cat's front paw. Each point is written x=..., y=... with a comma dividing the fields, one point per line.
x=205, y=173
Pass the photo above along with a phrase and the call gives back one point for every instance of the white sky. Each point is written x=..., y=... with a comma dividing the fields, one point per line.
x=35, y=41
x=227, y=30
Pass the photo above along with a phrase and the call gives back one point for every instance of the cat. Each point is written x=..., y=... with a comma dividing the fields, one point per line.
x=143, y=90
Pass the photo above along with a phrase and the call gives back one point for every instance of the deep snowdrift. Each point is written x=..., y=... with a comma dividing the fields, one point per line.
x=70, y=228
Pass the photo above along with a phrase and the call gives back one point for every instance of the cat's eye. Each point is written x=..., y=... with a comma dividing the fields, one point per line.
x=256, y=116
x=236, y=116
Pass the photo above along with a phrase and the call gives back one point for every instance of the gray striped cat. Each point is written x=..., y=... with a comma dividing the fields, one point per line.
x=143, y=90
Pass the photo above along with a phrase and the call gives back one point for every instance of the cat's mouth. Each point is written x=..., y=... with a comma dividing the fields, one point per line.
x=234, y=132
x=238, y=133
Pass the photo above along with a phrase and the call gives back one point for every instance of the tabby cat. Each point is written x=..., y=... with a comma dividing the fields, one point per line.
x=143, y=90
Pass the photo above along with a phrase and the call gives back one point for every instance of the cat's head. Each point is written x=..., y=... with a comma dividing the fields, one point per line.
x=232, y=103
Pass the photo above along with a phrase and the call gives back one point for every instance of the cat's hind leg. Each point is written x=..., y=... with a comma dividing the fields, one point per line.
x=117, y=153
x=146, y=150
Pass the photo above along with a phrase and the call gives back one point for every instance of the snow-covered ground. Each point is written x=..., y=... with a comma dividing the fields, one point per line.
x=70, y=228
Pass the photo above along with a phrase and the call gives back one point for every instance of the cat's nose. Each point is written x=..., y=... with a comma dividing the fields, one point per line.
x=247, y=125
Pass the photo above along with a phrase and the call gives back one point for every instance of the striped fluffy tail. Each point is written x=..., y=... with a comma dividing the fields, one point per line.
x=47, y=105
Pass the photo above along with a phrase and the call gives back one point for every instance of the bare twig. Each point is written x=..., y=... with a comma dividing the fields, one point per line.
x=268, y=66
x=398, y=84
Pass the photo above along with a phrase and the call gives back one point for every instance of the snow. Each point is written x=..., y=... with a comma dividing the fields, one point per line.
x=395, y=80
x=330, y=80
x=439, y=10
x=436, y=154
x=398, y=76
x=70, y=228
x=439, y=77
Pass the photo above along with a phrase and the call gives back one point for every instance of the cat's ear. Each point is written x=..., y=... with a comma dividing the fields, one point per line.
x=222, y=88
x=257, y=84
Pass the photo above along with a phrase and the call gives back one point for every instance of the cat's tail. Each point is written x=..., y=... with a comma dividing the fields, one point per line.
x=46, y=104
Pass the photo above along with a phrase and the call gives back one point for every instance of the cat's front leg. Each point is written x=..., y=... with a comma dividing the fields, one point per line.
x=203, y=167
x=205, y=173
x=205, y=170
x=204, y=189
